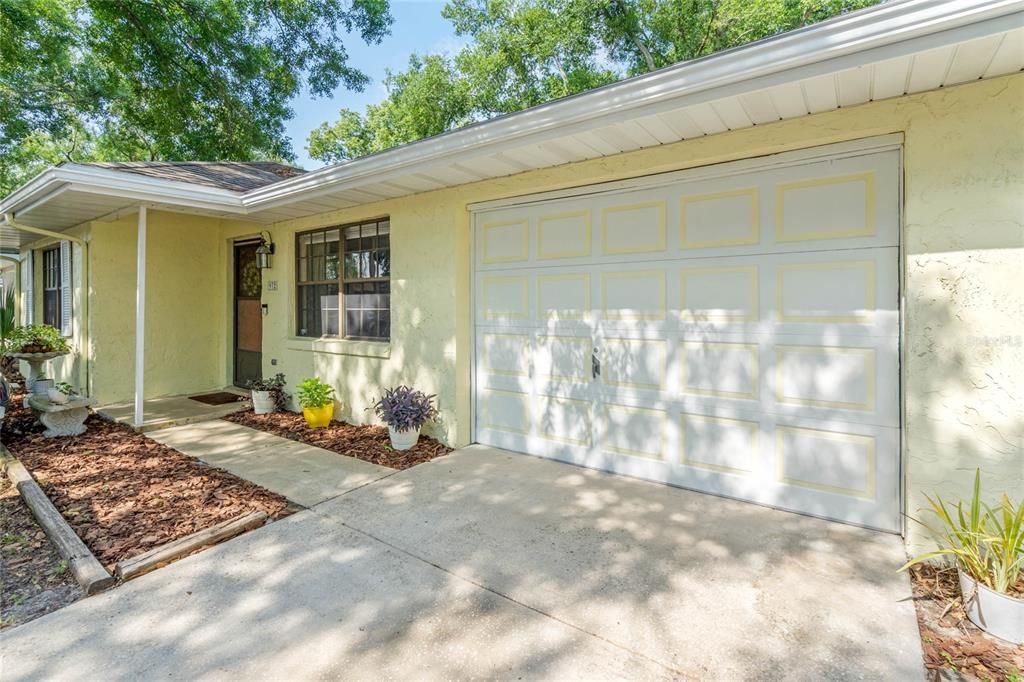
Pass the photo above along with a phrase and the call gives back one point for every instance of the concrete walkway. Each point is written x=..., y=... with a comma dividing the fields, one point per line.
x=486, y=564
x=305, y=474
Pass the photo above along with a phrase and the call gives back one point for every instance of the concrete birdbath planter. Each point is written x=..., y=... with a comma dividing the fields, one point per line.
x=35, y=370
x=36, y=344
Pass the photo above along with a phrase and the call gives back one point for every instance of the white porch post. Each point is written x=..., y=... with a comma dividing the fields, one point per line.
x=140, y=316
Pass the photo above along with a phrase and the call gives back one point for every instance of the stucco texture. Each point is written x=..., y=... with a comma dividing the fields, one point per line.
x=963, y=241
x=186, y=286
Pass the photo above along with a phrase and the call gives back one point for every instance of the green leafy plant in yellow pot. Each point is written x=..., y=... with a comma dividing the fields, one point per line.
x=316, y=399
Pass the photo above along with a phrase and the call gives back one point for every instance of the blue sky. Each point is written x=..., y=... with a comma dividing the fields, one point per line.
x=418, y=27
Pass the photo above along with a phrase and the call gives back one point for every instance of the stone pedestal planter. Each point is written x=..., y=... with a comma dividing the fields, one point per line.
x=61, y=420
x=35, y=368
x=403, y=440
x=997, y=614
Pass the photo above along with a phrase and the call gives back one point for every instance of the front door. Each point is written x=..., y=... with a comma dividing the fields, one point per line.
x=248, y=315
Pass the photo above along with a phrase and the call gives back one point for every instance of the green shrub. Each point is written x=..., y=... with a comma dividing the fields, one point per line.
x=36, y=338
x=314, y=393
x=986, y=543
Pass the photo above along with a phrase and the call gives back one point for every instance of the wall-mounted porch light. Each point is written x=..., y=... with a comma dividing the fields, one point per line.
x=264, y=251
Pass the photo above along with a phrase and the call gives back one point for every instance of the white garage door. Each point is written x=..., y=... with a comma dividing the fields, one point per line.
x=729, y=330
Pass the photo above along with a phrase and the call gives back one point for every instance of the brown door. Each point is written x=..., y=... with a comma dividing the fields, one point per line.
x=248, y=315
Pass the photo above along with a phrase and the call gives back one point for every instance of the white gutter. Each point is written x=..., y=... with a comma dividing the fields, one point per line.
x=888, y=30
x=9, y=221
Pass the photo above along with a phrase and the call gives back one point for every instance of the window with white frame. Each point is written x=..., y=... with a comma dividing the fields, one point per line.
x=343, y=281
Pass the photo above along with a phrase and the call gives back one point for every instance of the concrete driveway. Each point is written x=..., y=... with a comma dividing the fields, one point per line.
x=486, y=564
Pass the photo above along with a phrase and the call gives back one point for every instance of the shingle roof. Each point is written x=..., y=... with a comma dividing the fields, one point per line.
x=237, y=176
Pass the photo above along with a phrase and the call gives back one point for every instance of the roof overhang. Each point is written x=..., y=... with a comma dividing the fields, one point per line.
x=886, y=51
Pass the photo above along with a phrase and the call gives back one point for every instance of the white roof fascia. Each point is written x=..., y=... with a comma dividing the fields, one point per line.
x=885, y=31
x=131, y=186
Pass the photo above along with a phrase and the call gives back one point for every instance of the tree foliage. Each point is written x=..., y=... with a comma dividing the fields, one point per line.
x=167, y=79
x=427, y=98
x=521, y=53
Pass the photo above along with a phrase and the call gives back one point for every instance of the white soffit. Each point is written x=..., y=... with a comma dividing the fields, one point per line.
x=889, y=50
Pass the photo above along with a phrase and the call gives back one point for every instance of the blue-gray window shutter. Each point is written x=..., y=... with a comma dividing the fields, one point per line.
x=65, y=288
x=27, y=287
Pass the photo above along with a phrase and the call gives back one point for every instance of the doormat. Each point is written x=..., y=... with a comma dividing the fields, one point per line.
x=218, y=398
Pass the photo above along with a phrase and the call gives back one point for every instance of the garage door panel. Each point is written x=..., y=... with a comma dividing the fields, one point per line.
x=631, y=228
x=508, y=411
x=562, y=359
x=847, y=290
x=505, y=241
x=505, y=298
x=727, y=370
x=565, y=420
x=633, y=295
x=564, y=296
x=826, y=376
x=720, y=444
x=634, y=431
x=725, y=293
x=841, y=292
x=736, y=334
x=828, y=461
x=848, y=378
x=564, y=235
x=505, y=354
x=718, y=219
x=634, y=363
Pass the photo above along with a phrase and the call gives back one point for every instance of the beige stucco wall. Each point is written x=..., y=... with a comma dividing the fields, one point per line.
x=963, y=355
x=186, y=290
x=963, y=370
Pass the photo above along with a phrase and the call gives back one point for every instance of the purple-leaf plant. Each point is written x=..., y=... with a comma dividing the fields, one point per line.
x=404, y=408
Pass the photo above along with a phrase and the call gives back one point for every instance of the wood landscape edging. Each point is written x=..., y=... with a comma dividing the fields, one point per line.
x=83, y=564
x=158, y=556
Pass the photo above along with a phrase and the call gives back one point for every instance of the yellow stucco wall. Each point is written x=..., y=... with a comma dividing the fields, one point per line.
x=963, y=372
x=186, y=290
x=963, y=355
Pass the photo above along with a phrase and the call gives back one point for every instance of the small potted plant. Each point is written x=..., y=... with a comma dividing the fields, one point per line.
x=405, y=411
x=42, y=386
x=268, y=394
x=60, y=393
x=987, y=545
x=316, y=399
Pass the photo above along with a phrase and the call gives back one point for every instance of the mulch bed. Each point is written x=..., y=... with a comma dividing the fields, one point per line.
x=368, y=443
x=125, y=494
x=950, y=640
x=35, y=579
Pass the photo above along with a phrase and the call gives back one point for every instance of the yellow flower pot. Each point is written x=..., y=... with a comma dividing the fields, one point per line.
x=318, y=417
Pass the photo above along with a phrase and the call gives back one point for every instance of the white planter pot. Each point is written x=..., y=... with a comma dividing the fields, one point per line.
x=403, y=440
x=263, y=402
x=56, y=397
x=999, y=615
x=42, y=387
